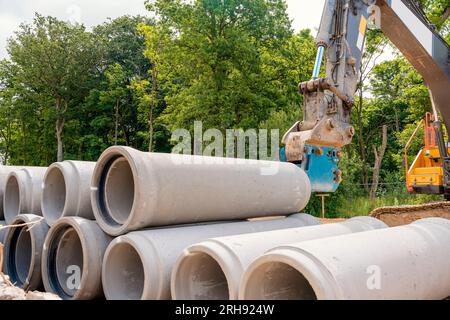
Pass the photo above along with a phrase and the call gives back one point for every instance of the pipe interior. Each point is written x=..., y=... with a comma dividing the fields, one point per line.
x=11, y=202
x=119, y=190
x=278, y=281
x=22, y=256
x=200, y=277
x=69, y=262
x=124, y=273
x=54, y=194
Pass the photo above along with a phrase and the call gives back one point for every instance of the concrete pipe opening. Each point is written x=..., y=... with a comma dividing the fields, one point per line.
x=200, y=277
x=278, y=281
x=119, y=190
x=65, y=263
x=69, y=262
x=123, y=273
x=54, y=194
x=11, y=202
x=20, y=256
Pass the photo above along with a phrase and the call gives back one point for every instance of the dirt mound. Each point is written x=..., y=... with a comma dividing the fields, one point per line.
x=403, y=215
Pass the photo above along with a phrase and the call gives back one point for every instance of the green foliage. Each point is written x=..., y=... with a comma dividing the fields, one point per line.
x=50, y=70
x=227, y=63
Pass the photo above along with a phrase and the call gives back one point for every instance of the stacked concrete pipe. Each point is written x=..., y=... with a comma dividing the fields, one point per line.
x=138, y=265
x=212, y=270
x=4, y=172
x=72, y=259
x=3, y=231
x=409, y=262
x=132, y=190
x=66, y=191
x=22, y=193
x=24, y=243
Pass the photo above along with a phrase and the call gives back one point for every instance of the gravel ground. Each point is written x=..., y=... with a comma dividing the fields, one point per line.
x=9, y=292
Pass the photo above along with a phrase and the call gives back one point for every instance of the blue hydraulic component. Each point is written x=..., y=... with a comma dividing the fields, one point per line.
x=318, y=64
x=321, y=166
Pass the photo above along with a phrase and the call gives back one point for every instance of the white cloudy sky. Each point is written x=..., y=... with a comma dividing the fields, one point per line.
x=93, y=12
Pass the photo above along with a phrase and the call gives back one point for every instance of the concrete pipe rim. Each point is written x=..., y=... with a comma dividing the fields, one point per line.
x=13, y=244
x=308, y=270
x=113, y=276
x=106, y=214
x=371, y=222
x=50, y=274
x=13, y=188
x=52, y=209
x=224, y=264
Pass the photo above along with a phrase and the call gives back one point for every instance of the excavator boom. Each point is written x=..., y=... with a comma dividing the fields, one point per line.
x=315, y=143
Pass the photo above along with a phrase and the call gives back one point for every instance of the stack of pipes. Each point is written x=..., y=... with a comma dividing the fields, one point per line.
x=137, y=225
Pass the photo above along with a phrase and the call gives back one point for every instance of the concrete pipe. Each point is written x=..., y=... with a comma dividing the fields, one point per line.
x=66, y=191
x=138, y=265
x=407, y=263
x=132, y=190
x=23, y=191
x=23, y=251
x=4, y=172
x=3, y=231
x=72, y=263
x=211, y=270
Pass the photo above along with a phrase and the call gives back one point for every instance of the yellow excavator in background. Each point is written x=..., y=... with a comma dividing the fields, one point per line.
x=426, y=173
x=315, y=143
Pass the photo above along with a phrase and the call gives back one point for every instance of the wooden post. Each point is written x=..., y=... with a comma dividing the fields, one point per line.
x=323, y=203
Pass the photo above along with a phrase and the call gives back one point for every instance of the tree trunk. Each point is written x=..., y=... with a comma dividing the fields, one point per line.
x=59, y=139
x=362, y=147
x=152, y=107
x=116, y=131
x=379, y=155
x=60, y=121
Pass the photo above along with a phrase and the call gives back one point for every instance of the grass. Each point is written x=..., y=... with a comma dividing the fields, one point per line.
x=351, y=203
x=363, y=205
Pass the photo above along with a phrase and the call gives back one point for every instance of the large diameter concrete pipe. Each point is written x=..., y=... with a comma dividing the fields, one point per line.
x=23, y=251
x=72, y=259
x=212, y=270
x=138, y=265
x=4, y=172
x=66, y=191
x=407, y=263
x=23, y=191
x=132, y=190
x=3, y=231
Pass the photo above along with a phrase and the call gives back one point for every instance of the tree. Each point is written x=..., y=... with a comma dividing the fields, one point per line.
x=213, y=71
x=54, y=60
x=374, y=48
x=379, y=155
x=124, y=46
x=116, y=92
x=156, y=41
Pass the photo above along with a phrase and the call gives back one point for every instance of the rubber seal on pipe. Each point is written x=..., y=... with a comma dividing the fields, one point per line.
x=23, y=251
x=99, y=200
x=51, y=258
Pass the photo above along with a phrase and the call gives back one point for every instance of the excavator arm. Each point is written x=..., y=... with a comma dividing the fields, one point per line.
x=315, y=143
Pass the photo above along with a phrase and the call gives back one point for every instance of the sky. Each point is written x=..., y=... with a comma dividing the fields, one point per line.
x=94, y=12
